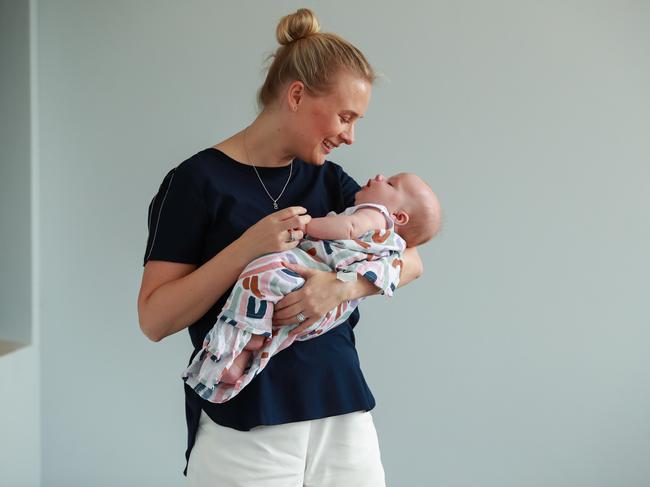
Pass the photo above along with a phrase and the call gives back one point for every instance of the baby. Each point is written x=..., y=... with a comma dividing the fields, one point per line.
x=367, y=239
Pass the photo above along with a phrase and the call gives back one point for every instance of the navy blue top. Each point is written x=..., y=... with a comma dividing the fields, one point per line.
x=202, y=206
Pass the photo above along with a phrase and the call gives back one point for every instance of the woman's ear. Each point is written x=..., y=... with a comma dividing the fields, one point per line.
x=400, y=217
x=295, y=94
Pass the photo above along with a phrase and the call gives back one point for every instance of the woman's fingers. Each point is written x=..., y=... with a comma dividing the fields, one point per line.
x=302, y=327
x=297, y=221
x=291, y=236
x=305, y=272
x=287, y=308
x=289, y=300
x=270, y=234
x=308, y=300
x=292, y=228
x=288, y=316
x=287, y=213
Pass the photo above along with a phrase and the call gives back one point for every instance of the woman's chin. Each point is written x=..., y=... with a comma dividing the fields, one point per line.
x=317, y=159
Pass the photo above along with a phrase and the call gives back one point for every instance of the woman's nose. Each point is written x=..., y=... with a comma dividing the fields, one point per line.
x=348, y=135
x=379, y=177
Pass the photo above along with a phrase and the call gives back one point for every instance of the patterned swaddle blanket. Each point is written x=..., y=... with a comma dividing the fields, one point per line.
x=376, y=256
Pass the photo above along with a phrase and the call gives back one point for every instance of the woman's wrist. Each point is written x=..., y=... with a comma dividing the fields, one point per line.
x=242, y=251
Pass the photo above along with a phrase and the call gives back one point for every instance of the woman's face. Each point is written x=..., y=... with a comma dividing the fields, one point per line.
x=327, y=121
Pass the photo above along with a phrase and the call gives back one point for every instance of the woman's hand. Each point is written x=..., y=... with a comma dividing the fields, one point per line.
x=272, y=233
x=321, y=293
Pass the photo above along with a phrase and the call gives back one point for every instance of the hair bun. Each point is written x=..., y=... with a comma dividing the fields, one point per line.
x=297, y=26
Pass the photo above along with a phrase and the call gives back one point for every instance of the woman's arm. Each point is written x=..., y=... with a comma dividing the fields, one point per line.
x=173, y=296
x=322, y=291
x=411, y=269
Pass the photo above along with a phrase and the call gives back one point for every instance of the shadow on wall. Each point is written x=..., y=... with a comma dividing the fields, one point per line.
x=8, y=347
x=15, y=178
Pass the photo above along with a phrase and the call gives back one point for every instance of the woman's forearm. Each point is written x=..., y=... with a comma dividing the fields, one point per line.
x=412, y=266
x=411, y=269
x=180, y=302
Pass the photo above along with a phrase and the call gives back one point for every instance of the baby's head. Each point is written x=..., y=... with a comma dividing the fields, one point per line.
x=411, y=202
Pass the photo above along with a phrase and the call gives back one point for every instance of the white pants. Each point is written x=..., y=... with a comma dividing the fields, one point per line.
x=339, y=451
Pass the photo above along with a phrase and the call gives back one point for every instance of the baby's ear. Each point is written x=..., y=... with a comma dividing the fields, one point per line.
x=400, y=218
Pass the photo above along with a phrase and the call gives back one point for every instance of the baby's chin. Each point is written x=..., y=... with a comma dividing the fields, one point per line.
x=360, y=197
x=358, y=200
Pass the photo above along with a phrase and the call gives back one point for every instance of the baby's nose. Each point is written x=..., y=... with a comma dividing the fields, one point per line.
x=379, y=177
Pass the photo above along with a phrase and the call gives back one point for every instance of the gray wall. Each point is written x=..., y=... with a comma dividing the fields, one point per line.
x=518, y=359
x=19, y=384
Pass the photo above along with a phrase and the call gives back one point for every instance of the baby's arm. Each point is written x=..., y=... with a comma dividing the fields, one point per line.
x=343, y=227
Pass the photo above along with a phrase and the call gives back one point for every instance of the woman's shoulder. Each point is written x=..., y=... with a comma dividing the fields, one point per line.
x=346, y=182
x=204, y=164
x=331, y=172
x=199, y=161
x=332, y=167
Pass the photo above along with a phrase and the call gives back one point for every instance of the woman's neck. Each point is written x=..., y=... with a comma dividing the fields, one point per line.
x=263, y=143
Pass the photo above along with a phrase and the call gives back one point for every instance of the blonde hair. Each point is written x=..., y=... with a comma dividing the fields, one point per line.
x=310, y=56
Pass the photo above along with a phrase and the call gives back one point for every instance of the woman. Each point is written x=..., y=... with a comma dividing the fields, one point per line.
x=305, y=419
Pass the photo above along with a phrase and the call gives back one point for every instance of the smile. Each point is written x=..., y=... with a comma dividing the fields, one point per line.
x=328, y=146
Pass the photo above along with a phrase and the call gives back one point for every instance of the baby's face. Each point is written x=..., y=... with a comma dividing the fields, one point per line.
x=392, y=192
x=408, y=199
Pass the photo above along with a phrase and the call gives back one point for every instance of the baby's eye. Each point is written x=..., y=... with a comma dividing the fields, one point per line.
x=345, y=120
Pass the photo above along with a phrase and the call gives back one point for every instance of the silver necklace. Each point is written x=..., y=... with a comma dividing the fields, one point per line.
x=275, y=200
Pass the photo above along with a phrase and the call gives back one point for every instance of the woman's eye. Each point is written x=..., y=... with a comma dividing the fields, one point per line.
x=344, y=120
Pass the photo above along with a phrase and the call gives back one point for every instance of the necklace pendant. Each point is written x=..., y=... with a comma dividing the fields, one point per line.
x=275, y=205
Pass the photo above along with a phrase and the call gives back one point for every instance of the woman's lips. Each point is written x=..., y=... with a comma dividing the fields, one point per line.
x=329, y=145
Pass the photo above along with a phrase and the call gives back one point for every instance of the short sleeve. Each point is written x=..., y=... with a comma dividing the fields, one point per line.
x=177, y=220
x=349, y=187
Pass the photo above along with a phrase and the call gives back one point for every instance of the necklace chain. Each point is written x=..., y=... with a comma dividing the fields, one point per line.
x=275, y=200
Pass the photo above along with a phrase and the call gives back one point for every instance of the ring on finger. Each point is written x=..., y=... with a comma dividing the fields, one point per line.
x=301, y=317
x=292, y=237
